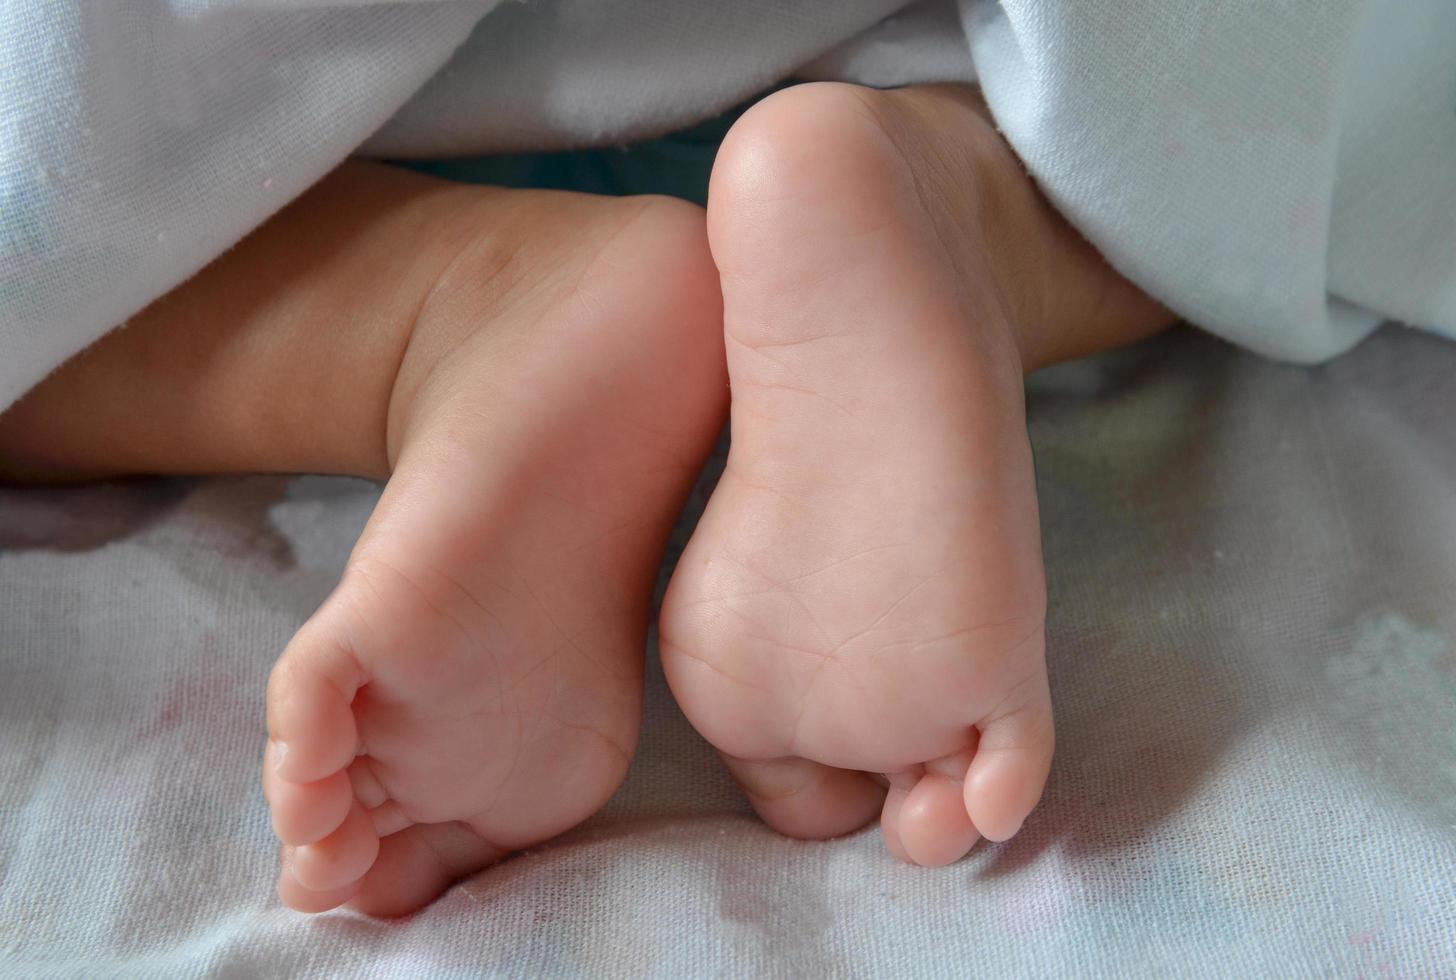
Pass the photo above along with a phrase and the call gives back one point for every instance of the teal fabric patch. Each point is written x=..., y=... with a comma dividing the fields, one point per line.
x=677, y=165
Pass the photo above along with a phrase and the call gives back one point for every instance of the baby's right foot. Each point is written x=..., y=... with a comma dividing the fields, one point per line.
x=864, y=594
x=473, y=684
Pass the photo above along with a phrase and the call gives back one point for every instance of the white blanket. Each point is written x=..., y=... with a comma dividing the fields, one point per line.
x=1252, y=569
x=1283, y=174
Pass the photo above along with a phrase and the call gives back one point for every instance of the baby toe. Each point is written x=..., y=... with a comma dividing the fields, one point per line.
x=416, y=865
x=342, y=857
x=1009, y=771
x=311, y=727
x=389, y=818
x=933, y=826
x=301, y=899
x=890, y=823
x=804, y=799
x=304, y=813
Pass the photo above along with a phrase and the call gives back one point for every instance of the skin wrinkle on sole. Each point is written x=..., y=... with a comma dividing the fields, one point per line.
x=876, y=374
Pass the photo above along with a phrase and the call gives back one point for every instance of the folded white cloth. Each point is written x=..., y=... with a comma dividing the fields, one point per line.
x=1281, y=174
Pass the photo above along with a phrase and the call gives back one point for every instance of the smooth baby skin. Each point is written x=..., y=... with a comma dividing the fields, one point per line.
x=540, y=377
x=863, y=602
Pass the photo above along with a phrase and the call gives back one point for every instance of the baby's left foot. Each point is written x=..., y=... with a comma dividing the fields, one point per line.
x=540, y=375
x=864, y=594
x=473, y=685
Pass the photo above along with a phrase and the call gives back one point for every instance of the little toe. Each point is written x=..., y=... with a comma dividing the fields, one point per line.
x=342, y=857
x=418, y=864
x=1009, y=771
x=805, y=799
x=304, y=813
x=311, y=727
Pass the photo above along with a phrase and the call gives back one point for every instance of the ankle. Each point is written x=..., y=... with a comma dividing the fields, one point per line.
x=1061, y=297
x=476, y=279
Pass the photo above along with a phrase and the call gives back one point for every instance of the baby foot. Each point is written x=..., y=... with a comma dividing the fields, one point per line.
x=473, y=684
x=864, y=594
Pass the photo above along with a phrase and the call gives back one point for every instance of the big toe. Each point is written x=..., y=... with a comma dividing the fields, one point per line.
x=311, y=728
x=329, y=839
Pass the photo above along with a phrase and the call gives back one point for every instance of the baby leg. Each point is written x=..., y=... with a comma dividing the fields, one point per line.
x=539, y=376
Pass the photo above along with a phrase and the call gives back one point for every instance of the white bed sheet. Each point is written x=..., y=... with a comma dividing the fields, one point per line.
x=1253, y=602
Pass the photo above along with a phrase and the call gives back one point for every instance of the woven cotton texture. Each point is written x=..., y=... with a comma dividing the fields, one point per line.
x=1251, y=568
x=1283, y=174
